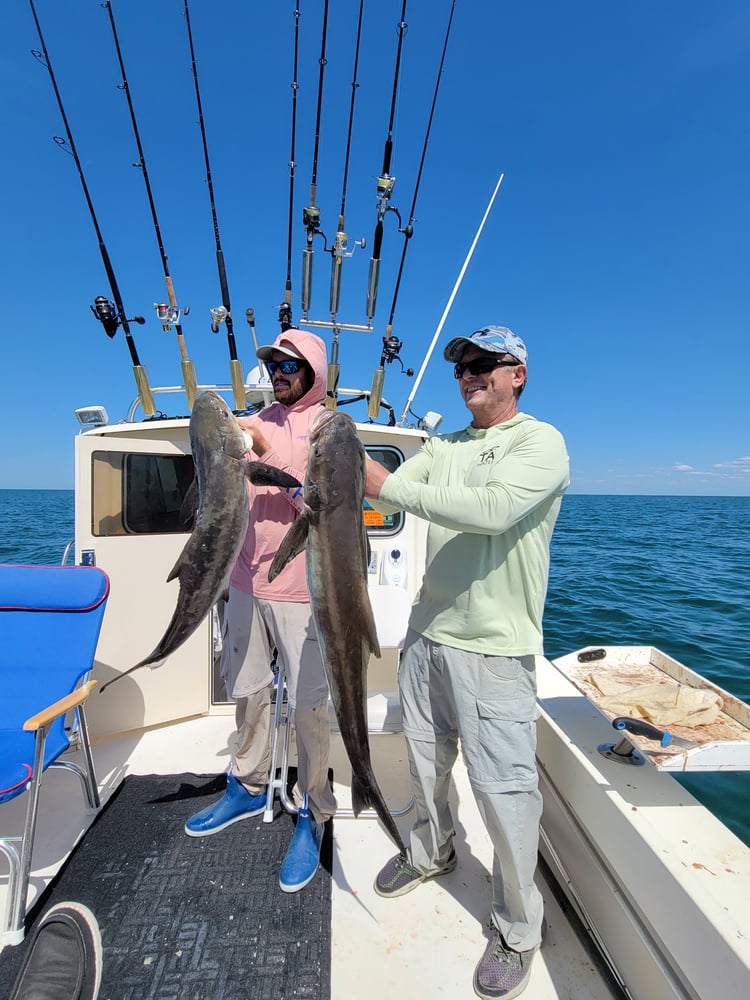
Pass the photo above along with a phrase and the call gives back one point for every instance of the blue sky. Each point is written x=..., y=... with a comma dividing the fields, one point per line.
x=617, y=245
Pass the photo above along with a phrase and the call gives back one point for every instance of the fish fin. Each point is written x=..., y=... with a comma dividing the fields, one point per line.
x=189, y=506
x=175, y=571
x=293, y=543
x=370, y=630
x=261, y=474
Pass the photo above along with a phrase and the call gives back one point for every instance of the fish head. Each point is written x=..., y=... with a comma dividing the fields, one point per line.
x=335, y=462
x=214, y=429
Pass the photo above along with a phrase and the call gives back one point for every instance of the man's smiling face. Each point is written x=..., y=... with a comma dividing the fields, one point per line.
x=491, y=396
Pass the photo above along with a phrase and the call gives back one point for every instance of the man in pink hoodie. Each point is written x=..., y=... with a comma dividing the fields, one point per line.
x=261, y=616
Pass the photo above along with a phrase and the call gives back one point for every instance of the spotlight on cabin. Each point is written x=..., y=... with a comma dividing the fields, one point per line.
x=431, y=420
x=92, y=416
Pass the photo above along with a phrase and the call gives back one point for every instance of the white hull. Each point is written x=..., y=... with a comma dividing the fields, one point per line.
x=651, y=879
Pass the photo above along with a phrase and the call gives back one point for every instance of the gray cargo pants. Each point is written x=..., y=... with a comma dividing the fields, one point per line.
x=252, y=628
x=489, y=703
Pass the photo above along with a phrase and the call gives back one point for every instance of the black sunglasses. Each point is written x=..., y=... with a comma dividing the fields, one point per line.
x=482, y=366
x=288, y=367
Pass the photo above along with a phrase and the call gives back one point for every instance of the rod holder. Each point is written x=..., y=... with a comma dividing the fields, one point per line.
x=238, y=384
x=376, y=392
x=372, y=286
x=190, y=383
x=333, y=385
x=306, y=288
x=144, y=390
x=335, y=283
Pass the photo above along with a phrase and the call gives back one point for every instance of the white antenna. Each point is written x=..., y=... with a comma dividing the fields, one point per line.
x=447, y=309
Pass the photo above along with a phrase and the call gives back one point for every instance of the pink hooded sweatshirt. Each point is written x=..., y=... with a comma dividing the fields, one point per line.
x=273, y=510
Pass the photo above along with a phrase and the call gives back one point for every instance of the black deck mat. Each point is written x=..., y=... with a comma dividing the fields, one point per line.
x=193, y=918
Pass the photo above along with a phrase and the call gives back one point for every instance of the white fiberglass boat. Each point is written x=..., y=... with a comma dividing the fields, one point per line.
x=646, y=891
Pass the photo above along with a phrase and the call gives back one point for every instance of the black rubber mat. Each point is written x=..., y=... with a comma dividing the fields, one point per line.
x=193, y=918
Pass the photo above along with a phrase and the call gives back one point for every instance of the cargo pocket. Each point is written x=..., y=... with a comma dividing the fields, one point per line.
x=504, y=756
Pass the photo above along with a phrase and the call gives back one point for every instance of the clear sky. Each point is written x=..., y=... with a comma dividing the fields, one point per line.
x=617, y=245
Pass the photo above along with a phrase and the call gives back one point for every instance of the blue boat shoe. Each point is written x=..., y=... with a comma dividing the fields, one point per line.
x=236, y=804
x=303, y=854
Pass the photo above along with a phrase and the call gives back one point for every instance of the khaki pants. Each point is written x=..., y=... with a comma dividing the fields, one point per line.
x=252, y=629
x=489, y=703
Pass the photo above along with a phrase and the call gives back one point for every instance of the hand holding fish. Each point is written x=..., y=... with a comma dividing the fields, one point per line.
x=254, y=428
x=206, y=561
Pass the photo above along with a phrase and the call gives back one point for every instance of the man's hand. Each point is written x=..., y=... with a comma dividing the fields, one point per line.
x=375, y=476
x=255, y=429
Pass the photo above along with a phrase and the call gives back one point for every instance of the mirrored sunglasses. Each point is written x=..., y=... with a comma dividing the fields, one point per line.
x=287, y=367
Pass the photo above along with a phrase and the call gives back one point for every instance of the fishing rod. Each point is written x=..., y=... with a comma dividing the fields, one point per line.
x=267, y=392
x=169, y=315
x=447, y=309
x=339, y=249
x=311, y=213
x=385, y=181
x=223, y=313
x=110, y=313
x=391, y=344
x=285, y=309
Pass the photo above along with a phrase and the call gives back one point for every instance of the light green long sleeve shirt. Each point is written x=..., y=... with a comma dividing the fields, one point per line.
x=492, y=498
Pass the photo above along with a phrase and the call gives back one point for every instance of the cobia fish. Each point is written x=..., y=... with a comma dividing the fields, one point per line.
x=204, y=566
x=332, y=531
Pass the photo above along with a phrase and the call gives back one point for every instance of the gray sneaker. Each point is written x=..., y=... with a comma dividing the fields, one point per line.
x=503, y=973
x=397, y=876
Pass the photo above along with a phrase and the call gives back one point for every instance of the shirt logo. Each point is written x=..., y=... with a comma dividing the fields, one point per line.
x=487, y=457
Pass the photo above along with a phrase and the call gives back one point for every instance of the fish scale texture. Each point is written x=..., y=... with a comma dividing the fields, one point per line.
x=194, y=918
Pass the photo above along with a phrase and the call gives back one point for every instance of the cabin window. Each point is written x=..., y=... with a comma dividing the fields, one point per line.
x=377, y=523
x=137, y=494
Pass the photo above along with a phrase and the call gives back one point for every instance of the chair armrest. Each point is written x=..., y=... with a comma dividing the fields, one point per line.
x=60, y=707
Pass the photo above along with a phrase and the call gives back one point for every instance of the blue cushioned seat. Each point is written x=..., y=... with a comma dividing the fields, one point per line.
x=50, y=620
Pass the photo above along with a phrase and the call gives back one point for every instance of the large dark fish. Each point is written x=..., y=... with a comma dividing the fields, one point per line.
x=332, y=531
x=203, y=568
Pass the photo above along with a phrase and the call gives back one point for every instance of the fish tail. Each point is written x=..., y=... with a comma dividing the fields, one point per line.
x=360, y=796
x=369, y=795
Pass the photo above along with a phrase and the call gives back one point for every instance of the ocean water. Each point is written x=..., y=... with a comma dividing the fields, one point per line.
x=670, y=572
x=36, y=526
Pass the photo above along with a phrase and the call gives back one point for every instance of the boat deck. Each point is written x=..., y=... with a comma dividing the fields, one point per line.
x=425, y=944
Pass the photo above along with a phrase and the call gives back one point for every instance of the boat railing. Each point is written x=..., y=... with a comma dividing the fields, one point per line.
x=350, y=396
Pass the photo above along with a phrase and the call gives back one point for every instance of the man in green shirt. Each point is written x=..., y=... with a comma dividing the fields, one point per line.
x=492, y=493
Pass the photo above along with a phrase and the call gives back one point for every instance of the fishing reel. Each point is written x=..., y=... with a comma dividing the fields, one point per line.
x=391, y=347
x=218, y=316
x=339, y=248
x=169, y=316
x=385, y=190
x=285, y=316
x=106, y=312
x=311, y=222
